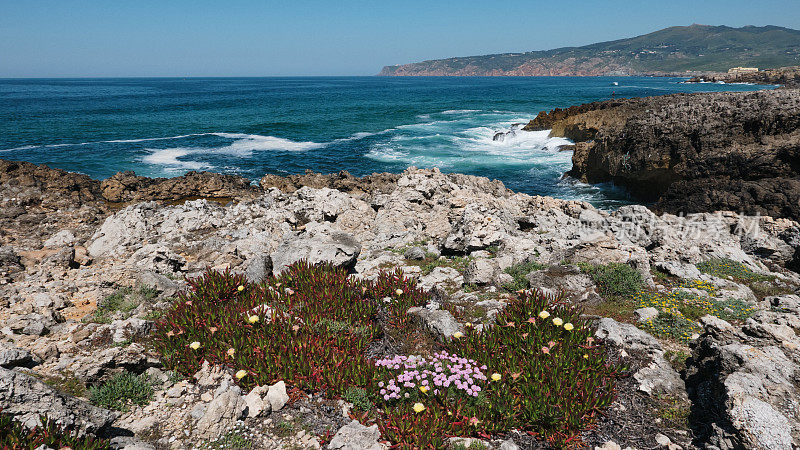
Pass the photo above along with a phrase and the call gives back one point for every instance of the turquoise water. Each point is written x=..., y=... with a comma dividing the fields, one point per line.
x=253, y=126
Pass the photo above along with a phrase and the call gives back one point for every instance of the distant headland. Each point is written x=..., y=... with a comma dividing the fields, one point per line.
x=696, y=50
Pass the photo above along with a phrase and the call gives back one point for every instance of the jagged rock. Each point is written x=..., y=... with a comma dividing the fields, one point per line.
x=415, y=252
x=277, y=396
x=645, y=314
x=656, y=376
x=257, y=268
x=256, y=404
x=567, y=281
x=127, y=187
x=441, y=276
x=221, y=414
x=480, y=272
x=677, y=149
x=63, y=238
x=355, y=436
x=743, y=387
x=11, y=357
x=438, y=321
x=319, y=244
x=26, y=398
x=129, y=443
x=164, y=286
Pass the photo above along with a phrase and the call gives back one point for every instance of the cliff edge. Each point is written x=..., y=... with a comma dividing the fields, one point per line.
x=691, y=152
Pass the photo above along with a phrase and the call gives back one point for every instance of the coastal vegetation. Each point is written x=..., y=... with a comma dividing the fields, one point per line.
x=537, y=368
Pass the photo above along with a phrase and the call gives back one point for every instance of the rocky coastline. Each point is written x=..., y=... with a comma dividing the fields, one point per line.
x=690, y=152
x=87, y=268
x=784, y=76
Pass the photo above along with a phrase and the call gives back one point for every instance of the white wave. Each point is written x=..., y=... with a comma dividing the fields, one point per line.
x=460, y=111
x=256, y=141
x=168, y=158
x=245, y=144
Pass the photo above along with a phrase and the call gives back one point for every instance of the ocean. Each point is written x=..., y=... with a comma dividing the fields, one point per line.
x=164, y=127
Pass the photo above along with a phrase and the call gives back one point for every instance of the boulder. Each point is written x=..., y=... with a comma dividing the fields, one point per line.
x=655, y=376
x=438, y=321
x=318, y=244
x=221, y=414
x=277, y=396
x=355, y=436
x=26, y=398
x=11, y=357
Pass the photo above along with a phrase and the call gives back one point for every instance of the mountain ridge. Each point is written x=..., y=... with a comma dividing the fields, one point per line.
x=679, y=49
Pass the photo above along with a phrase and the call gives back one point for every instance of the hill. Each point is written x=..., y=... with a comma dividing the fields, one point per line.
x=695, y=48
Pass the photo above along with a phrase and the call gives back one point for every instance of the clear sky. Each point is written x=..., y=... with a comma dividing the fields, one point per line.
x=55, y=38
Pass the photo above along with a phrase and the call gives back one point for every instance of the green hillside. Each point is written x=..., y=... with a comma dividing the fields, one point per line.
x=674, y=49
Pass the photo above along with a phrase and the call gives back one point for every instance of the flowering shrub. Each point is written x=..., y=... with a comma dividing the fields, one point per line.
x=310, y=326
x=538, y=370
x=444, y=375
x=679, y=311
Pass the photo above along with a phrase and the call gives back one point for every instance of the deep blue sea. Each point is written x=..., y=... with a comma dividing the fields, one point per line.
x=253, y=126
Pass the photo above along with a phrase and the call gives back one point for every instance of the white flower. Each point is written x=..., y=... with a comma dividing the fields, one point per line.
x=194, y=345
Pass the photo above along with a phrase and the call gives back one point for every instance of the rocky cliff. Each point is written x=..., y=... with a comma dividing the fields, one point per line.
x=691, y=153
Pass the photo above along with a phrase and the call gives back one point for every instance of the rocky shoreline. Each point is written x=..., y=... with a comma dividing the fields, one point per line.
x=784, y=76
x=88, y=267
x=690, y=152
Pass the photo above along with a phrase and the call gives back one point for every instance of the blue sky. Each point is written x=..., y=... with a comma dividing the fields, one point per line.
x=44, y=38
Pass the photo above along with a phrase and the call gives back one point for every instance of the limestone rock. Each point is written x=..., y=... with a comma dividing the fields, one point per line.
x=26, y=398
x=355, y=436
x=277, y=396
x=221, y=414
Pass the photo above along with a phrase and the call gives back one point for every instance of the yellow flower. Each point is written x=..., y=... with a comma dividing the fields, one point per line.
x=557, y=321
x=496, y=377
x=399, y=292
x=194, y=345
x=419, y=407
x=568, y=326
x=241, y=374
x=585, y=356
x=231, y=352
x=468, y=324
x=424, y=389
x=544, y=315
x=458, y=335
x=252, y=319
x=240, y=288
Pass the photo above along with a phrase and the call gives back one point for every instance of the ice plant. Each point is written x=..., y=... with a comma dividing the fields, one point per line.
x=458, y=335
x=194, y=345
x=544, y=315
x=240, y=288
x=496, y=376
x=558, y=321
x=568, y=326
x=419, y=407
x=241, y=374
x=253, y=319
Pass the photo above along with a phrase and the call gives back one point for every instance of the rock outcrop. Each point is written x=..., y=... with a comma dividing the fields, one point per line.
x=691, y=153
x=27, y=398
x=743, y=381
x=78, y=302
x=125, y=187
x=785, y=76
